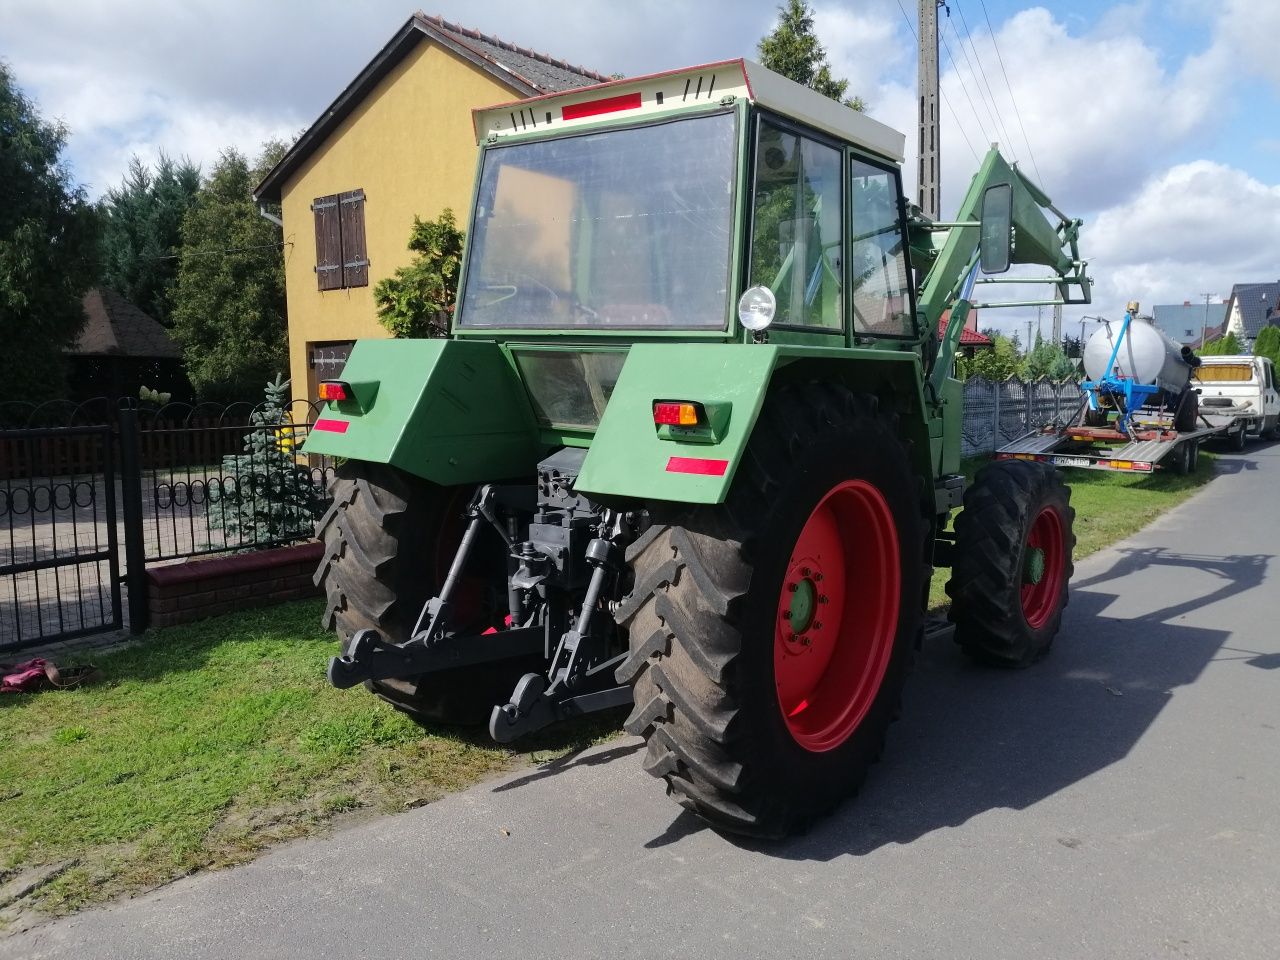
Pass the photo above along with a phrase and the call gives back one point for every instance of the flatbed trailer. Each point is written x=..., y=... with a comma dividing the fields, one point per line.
x=1151, y=443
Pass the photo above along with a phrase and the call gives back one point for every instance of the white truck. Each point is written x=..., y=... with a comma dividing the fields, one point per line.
x=1244, y=387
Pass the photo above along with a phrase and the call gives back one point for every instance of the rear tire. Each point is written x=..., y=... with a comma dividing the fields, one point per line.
x=1014, y=508
x=711, y=665
x=379, y=568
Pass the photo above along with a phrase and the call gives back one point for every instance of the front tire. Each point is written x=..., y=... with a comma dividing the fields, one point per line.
x=770, y=636
x=1009, y=582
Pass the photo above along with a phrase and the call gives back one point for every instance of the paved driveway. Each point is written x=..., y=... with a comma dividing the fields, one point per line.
x=1121, y=799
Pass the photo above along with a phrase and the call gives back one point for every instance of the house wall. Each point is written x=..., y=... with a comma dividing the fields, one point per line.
x=411, y=148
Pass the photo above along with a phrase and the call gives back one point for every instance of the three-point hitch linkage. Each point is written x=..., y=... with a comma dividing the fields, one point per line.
x=565, y=557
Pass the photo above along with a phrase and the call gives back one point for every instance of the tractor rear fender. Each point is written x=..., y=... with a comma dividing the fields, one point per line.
x=450, y=411
x=633, y=457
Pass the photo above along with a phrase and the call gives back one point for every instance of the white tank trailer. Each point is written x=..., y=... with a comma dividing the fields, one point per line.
x=1146, y=354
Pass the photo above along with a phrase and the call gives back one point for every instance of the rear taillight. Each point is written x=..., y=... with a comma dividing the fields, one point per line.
x=335, y=390
x=678, y=413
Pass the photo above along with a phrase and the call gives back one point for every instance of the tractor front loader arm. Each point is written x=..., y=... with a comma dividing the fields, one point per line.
x=1003, y=220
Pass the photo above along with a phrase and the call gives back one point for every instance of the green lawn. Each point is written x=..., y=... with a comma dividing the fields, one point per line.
x=205, y=744
x=210, y=741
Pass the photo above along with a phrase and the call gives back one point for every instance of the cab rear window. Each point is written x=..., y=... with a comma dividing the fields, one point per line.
x=1224, y=373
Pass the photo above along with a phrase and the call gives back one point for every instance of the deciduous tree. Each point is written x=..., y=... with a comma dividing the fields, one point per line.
x=47, y=247
x=229, y=304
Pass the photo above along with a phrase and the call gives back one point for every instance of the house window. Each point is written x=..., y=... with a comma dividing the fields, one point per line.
x=342, y=259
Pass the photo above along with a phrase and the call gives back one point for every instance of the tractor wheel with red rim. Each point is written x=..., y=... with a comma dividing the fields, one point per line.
x=770, y=636
x=1009, y=581
x=389, y=538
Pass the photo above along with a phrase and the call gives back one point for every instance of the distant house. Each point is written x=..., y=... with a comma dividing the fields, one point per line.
x=121, y=348
x=1185, y=321
x=1250, y=308
x=397, y=141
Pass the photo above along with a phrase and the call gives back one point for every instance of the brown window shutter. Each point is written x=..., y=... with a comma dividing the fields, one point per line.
x=328, y=243
x=355, y=256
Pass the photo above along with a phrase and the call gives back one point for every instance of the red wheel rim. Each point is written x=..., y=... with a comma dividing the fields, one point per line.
x=837, y=615
x=1042, y=565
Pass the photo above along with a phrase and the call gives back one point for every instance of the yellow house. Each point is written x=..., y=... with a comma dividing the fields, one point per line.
x=397, y=142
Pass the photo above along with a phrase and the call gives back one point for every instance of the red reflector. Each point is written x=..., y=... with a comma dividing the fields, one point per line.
x=334, y=390
x=333, y=426
x=707, y=468
x=593, y=108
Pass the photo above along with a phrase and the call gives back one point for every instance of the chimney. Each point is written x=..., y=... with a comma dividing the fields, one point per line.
x=1186, y=303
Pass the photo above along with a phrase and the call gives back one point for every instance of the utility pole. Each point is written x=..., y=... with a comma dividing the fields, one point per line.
x=1204, y=326
x=1028, y=347
x=1057, y=324
x=929, y=189
x=1039, y=324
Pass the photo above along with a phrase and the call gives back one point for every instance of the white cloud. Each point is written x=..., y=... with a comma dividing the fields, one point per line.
x=1196, y=228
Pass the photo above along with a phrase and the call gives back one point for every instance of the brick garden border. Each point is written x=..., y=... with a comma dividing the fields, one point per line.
x=183, y=592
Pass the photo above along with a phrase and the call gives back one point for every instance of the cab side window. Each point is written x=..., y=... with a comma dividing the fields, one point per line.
x=796, y=228
x=877, y=258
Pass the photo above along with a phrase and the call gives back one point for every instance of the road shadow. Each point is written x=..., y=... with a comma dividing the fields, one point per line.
x=973, y=739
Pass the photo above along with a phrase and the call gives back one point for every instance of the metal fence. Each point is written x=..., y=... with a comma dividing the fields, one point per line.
x=996, y=413
x=90, y=494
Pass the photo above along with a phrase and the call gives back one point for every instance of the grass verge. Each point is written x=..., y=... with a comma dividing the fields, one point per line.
x=205, y=744
x=213, y=740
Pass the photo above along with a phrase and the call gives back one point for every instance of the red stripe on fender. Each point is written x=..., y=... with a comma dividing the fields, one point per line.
x=333, y=426
x=593, y=108
x=706, y=468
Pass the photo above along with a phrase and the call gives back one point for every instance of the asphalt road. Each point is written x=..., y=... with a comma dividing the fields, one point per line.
x=1121, y=799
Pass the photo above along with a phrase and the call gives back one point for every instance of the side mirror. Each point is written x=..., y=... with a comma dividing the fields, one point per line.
x=997, y=228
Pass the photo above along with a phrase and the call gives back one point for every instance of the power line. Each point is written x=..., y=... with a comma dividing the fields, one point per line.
x=973, y=74
x=218, y=253
x=1004, y=132
x=947, y=100
x=963, y=87
x=1018, y=113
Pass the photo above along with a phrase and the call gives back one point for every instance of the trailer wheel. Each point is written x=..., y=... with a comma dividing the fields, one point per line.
x=770, y=636
x=1236, y=441
x=1009, y=583
x=1183, y=454
x=389, y=538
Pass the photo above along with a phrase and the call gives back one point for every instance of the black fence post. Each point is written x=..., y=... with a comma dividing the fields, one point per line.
x=135, y=573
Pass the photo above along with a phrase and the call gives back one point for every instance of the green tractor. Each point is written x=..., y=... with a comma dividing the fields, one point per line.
x=693, y=443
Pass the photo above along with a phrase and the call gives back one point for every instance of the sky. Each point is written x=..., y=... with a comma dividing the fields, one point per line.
x=1156, y=121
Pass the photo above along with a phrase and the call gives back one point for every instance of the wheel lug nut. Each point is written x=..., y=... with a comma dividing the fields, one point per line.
x=793, y=587
x=817, y=576
x=786, y=614
x=804, y=571
x=823, y=598
x=818, y=625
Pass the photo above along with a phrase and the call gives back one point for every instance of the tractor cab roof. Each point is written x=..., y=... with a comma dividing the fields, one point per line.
x=693, y=88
